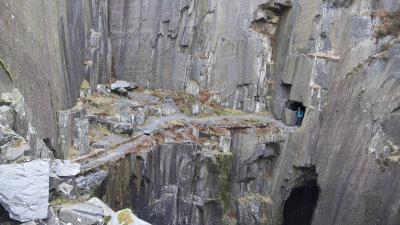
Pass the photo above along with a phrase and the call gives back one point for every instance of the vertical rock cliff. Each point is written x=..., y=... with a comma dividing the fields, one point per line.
x=223, y=46
x=48, y=48
x=339, y=60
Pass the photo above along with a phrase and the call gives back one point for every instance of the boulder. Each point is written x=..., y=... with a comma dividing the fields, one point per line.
x=122, y=92
x=126, y=217
x=196, y=108
x=64, y=168
x=192, y=88
x=102, y=89
x=107, y=211
x=289, y=117
x=24, y=190
x=62, y=178
x=122, y=84
x=80, y=213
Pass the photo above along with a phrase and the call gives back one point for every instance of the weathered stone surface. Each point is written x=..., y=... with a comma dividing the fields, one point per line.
x=91, y=180
x=48, y=69
x=64, y=168
x=289, y=117
x=325, y=56
x=102, y=89
x=121, y=84
x=52, y=217
x=72, y=133
x=67, y=190
x=13, y=146
x=107, y=211
x=101, y=144
x=277, y=110
x=24, y=190
x=254, y=209
x=248, y=105
x=120, y=128
x=168, y=109
x=208, y=58
x=62, y=178
x=80, y=213
x=192, y=88
x=6, y=116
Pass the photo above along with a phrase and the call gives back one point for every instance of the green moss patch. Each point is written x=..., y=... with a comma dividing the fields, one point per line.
x=224, y=178
x=124, y=217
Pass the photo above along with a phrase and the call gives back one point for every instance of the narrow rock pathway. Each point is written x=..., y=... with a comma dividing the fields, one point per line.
x=95, y=160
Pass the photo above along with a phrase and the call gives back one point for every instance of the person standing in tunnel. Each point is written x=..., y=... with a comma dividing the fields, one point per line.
x=299, y=115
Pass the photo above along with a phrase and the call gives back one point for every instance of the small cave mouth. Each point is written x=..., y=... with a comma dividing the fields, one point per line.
x=299, y=207
x=293, y=105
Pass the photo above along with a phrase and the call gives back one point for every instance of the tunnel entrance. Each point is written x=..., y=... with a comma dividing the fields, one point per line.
x=299, y=207
x=293, y=105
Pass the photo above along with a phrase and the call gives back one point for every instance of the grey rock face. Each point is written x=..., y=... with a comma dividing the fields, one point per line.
x=185, y=183
x=80, y=213
x=24, y=190
x=254, y=209
x=208, y=57
x=48, y=69
x=6, y=116
x=91, y=180
x=72, y=132
x=277, y=110
x=289, y=117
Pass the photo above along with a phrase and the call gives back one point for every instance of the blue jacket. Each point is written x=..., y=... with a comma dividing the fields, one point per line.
x=299, y=113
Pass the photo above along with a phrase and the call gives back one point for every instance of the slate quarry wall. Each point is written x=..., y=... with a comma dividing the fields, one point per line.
x=48, y=48
x=322, y=54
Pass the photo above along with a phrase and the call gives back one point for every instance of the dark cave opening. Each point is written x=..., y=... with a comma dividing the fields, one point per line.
x=293, y=105
x=299, y=207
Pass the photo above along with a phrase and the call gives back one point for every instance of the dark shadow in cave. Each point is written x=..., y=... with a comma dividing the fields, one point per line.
x=5, y=218
x=299, y=207
x=293, y=105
